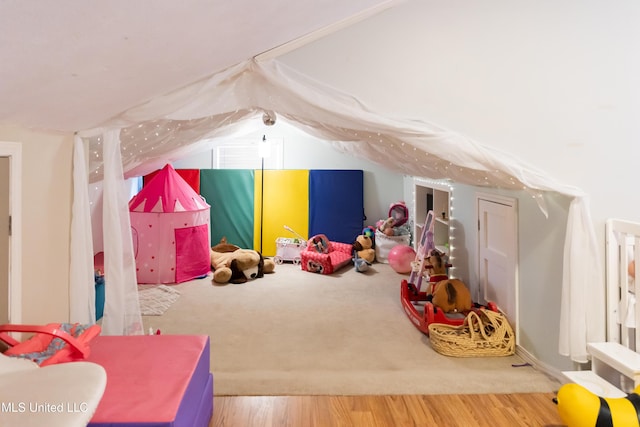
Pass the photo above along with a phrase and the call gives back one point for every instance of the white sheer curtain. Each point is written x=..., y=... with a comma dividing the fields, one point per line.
x=81, y=287
x=583, y=295
x=166, y=128
x=122, y=308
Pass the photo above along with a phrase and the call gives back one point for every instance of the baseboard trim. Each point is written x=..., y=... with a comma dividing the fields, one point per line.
x=540, y=366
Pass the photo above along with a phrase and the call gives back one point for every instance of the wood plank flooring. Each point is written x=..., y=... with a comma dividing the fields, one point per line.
x=486, y=410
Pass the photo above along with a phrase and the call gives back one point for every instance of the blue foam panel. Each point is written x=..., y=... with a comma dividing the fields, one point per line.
x=336, y=204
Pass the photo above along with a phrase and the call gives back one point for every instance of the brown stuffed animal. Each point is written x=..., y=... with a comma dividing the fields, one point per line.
x=232, y=264
x=452, y=295
x=363, y=246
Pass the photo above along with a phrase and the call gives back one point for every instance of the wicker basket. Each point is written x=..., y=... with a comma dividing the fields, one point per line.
x=483, y=333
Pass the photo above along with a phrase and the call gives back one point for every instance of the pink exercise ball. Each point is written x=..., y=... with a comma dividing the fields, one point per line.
x=400, y=258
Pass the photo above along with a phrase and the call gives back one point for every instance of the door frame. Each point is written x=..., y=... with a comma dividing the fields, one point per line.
x=13, y=150
x=512, y=203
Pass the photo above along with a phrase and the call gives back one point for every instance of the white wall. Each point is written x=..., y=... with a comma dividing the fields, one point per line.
x=539, y=270
x=302, y=151
x=554, y=83
x=46, y=222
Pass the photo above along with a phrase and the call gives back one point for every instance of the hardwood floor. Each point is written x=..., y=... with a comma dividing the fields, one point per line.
x=490, y=410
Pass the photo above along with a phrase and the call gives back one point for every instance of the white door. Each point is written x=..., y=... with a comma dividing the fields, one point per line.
x=4, y=240
x=497, y=254
x=10, y=244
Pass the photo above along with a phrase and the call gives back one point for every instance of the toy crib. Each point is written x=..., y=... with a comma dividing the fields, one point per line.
x=607, y=394
x=615, y=363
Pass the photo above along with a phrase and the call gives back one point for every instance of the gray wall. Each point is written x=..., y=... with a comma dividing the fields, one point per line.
x=552, y=83
x=539, y=262
x=540, y=254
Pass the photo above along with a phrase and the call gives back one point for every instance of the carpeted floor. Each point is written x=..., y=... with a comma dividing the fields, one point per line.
x=299, y=333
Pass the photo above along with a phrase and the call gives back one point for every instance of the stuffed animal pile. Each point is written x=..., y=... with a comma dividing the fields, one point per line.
x=386, y=226
x=232, y=264
x=395, y=224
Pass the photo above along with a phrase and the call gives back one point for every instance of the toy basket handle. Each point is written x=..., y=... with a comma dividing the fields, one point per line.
x=77, y=345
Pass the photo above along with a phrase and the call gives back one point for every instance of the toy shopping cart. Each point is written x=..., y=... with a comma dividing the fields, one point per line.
x=288, y=248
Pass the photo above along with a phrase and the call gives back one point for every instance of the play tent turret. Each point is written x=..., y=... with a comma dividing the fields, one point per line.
x=170, y=227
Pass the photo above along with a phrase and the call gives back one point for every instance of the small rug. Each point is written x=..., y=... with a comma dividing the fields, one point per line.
x=155, y=300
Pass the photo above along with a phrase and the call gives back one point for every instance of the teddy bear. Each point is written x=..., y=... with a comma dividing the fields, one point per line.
x=232, y=264
x=363, y=247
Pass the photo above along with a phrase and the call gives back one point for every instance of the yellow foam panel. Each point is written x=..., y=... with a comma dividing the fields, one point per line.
x=285, y=202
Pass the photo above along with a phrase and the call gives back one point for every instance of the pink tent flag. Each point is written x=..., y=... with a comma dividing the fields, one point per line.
x=170, y=226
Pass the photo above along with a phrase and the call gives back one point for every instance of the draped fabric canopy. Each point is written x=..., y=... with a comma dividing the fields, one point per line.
x=233, y=101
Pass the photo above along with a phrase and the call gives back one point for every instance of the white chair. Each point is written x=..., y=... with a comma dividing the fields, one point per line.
x=62, y=395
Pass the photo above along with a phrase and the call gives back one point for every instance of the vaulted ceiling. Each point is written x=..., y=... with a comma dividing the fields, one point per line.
x=69, y=65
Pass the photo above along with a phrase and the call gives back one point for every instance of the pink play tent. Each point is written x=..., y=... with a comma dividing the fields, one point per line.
x=170, y=226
